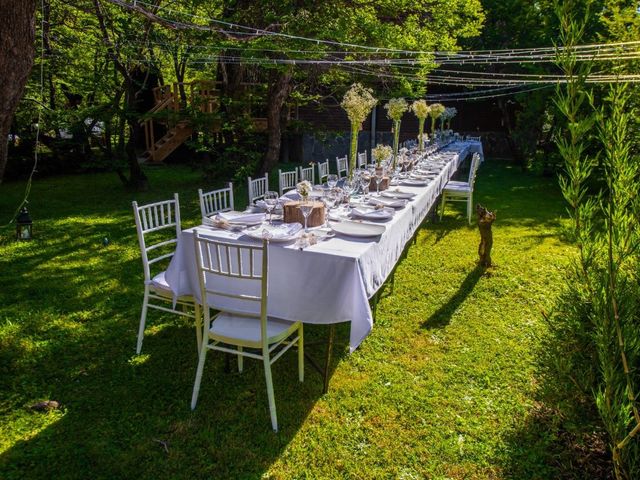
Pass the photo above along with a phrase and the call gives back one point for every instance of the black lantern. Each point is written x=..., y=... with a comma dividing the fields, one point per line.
x=24, y=225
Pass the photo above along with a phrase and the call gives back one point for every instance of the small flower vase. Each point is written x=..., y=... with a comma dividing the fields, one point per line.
x=305, y=198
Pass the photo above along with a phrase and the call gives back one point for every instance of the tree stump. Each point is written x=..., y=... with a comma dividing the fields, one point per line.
x=485, y=220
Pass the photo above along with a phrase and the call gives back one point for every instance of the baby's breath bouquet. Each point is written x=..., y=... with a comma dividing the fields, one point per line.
x=435, y=110
x=357, y=102
x=421, y=110
x=448, y=114
x=304, y=189
x=381, y=153
x=395, y=109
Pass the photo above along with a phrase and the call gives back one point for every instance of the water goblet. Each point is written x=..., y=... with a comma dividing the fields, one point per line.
x=379, y=177
x=332, y=180
x=271, y=201
x=306, y=207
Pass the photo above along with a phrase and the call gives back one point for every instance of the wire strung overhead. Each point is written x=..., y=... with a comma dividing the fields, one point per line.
x=381, y=62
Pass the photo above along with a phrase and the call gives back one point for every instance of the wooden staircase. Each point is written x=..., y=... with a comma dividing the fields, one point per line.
x=168, y=111
x=161, y=149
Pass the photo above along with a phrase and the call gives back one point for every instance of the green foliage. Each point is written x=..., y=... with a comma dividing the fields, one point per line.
x=601, y=308
x=444, y=387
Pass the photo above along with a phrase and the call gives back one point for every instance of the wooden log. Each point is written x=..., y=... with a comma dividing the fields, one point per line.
x=485, y=220
x=292, y=214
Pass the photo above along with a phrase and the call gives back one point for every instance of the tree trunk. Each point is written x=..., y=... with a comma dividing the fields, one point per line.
x=137, y=179
x=17, y=41
x=278, y=93
x=515, y=151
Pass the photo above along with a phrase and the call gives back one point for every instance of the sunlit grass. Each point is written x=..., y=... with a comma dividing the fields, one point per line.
x=443, y=387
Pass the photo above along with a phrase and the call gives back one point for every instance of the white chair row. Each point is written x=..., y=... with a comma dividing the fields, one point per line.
x=219, y=264
x=456, y=191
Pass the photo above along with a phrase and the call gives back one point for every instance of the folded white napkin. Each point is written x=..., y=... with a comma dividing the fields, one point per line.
x=372, y=213
x=387, y=202
x=290, y=196
x=283, y=230
x=241, y=217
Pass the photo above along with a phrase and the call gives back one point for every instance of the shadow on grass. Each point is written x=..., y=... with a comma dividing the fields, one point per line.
x=441, y=317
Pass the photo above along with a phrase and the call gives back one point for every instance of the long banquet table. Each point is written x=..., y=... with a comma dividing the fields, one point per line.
x=333, y=280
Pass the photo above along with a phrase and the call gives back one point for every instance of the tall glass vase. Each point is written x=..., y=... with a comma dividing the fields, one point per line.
x=420, y=133
x=396, y=139
x=355, y=128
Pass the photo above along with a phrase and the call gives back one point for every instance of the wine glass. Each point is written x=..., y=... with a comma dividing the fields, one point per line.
x=306, y=207
x=329, y=199
x=270, y=201
x=332, y=180
x=365, y=181
x=379, y=177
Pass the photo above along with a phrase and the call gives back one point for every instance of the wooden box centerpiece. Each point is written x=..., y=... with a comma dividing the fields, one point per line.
x=292, y=213
x=384, y=184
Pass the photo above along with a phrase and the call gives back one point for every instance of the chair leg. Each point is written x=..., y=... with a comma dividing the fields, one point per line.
x=442, y=206
x=240, y=360
x=272, y=400
x=143, y=319
x=469, y=207
x=199, y=325
x=301, y=353
x=196, y=385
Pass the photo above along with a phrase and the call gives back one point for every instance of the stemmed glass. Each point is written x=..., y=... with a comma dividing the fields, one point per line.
x=270, y=201
x=332, y=180
x=365, y=181
x=306, y=207
x=379, y=177
x=329, y=199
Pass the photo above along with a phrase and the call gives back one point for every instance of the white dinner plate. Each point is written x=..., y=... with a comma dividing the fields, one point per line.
x=284, y=232
x=357, y=229
x=413, y=183
x=397, y=194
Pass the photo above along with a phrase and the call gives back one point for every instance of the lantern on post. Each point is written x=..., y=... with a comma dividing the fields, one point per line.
x=24, y=225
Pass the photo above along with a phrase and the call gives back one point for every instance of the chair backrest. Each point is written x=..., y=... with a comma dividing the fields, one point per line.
x=233, y=278
x=475, y=163
x=154, y=217
x=257, y=188
x=323, y=170
x=362, y=159
x=215, y=201
x=309, y=174
x=342, y=166
x=287, y=180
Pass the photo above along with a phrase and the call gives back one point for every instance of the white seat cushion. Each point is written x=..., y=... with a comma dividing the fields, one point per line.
x=246, y=329
x=457, y=187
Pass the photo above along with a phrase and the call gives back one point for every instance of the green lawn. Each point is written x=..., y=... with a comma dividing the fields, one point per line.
x=444, y=387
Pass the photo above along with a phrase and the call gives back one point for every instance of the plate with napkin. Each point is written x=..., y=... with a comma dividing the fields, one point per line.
x=388, y=202
x=283, y=232
x=373, y=213
x=234, y=220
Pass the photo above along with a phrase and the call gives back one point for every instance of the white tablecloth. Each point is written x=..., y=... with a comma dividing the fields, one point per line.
x=332, y=281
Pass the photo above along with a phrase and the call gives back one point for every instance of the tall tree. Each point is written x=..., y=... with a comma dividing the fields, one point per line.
x=17, y=46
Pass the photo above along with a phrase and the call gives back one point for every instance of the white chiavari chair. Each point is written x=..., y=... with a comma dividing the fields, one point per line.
x=257, y=188
x=342, y=166
x=152, y=220
x=323, y=171
x=287, y=180
x=362, y=159
x=215, y=201
x=308, y=174
x=456, y=191
x=234, y=281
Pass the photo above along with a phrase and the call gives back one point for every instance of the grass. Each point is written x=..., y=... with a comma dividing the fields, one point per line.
x=445, y=387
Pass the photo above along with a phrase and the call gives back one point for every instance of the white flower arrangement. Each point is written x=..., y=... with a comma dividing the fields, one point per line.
x=304, y=188
x=358, y=102
x=381, y=153
x=396, y=108
x=449, y=113
x=420, y=109
x=436, y=109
